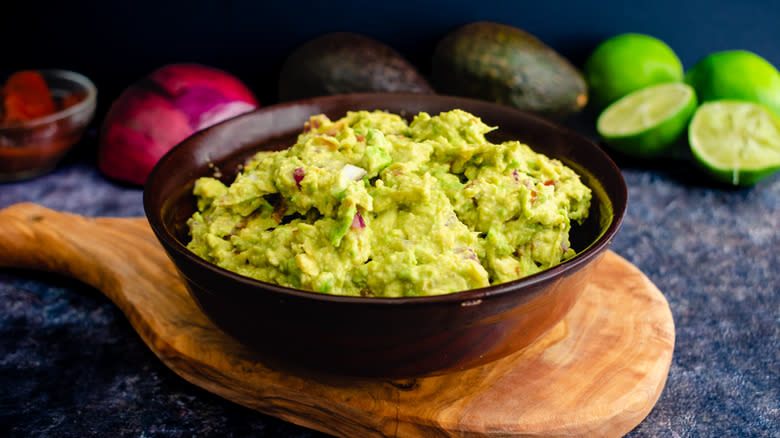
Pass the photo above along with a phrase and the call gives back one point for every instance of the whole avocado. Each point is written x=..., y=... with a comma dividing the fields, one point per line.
x=341, y=62
x=504, y=64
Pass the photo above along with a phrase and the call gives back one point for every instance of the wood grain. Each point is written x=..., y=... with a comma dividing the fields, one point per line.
x=598, y=373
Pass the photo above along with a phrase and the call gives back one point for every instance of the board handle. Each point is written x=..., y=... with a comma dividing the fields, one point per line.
x=92, y=250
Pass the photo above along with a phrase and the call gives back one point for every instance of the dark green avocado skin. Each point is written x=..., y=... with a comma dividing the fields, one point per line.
x=343, y=63
x=504, y=64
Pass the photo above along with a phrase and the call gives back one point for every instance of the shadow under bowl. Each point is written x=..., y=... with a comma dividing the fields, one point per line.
x=379, y=337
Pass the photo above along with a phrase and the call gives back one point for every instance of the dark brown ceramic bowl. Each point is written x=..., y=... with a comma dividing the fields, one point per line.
x=379, y=337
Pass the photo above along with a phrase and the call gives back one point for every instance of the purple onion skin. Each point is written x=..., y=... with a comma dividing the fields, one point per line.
x=208, y=106
x=156, y=113
x=357, y=221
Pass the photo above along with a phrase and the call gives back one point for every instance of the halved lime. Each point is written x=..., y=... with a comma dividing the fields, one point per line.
x=736, y=142
x=647, y=123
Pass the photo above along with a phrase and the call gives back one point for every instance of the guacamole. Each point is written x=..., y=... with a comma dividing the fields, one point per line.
x=370, y=205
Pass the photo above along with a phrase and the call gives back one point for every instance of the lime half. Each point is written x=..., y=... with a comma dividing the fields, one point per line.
x=737, y=142
x=647, y=123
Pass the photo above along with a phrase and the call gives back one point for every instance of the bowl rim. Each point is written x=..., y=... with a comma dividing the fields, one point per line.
x=89, y=101
x=462, y=298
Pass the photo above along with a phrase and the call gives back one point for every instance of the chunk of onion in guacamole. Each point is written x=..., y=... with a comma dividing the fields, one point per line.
x=370, y=205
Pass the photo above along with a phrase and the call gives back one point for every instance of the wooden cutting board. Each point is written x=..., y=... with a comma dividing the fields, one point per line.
x=597, y=373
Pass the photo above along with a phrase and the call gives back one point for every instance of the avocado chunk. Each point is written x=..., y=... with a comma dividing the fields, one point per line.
x=507, y=65
x=341, y=63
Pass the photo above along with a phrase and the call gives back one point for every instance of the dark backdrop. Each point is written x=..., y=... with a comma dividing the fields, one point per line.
x=116, y=42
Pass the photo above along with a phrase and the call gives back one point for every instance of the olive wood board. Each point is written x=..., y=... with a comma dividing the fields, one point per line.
x=599, y=372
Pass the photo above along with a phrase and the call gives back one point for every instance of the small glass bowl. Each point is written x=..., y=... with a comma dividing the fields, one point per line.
x=34, y=147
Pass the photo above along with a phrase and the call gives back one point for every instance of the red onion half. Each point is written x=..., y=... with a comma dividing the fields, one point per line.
x=159, y=111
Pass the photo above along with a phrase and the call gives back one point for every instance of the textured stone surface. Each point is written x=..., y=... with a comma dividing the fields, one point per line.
x=71, y=365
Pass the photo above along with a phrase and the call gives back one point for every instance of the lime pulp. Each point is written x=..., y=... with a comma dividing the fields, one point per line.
x=648, y=122
x=736, y=142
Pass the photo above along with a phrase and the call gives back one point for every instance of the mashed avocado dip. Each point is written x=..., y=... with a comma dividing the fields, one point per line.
x=371, y=205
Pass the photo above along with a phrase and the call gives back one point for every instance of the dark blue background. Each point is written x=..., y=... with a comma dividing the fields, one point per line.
x=116, y=42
